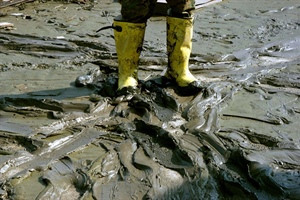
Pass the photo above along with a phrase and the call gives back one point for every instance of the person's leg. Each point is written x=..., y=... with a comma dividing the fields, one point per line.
x=179, y=42
x=129, y=40
x=181, y=7
x=129, y=35
x=137, y=11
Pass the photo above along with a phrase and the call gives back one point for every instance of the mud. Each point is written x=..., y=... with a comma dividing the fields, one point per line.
x=64, y=134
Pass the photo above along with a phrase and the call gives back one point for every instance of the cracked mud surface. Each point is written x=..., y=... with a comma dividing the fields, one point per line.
x=238, y=138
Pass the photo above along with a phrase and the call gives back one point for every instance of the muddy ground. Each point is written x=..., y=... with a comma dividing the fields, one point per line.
x=236, y=139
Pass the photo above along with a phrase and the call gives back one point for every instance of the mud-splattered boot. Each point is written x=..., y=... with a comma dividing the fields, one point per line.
x=179, y=46
x=129, y=39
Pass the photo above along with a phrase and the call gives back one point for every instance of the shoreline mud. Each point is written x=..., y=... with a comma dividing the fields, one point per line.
x=238, y=138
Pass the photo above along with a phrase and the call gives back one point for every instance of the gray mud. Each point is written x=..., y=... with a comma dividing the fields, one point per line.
x=236, y=139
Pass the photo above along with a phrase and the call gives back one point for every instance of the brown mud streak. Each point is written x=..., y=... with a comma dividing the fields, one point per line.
x=49, y=153
x=4, y=3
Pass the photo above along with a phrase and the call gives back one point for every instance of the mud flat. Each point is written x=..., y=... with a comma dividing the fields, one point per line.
x=236, y=139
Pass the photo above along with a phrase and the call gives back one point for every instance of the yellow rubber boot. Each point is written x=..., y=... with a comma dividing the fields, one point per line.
x=179, y=46
x=129, y=39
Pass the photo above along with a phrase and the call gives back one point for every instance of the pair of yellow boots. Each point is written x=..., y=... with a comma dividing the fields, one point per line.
x=129, y=40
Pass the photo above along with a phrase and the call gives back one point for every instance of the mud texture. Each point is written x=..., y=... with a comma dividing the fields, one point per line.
x=64, y=134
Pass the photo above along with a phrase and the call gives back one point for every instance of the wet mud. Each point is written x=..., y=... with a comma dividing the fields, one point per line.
x=64, y=134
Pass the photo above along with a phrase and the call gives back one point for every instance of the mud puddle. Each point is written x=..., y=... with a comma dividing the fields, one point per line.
x=238, y=138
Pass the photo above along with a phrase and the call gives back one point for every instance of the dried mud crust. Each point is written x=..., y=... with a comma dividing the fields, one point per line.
x=238, y=138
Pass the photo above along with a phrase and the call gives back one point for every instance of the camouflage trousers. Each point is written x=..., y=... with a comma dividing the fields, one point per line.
x=141, y=10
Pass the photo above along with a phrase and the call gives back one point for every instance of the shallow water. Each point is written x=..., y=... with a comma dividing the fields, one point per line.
x=239, y=138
